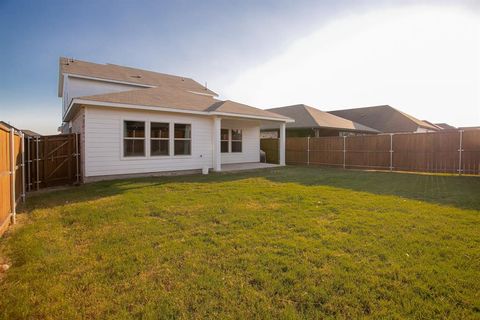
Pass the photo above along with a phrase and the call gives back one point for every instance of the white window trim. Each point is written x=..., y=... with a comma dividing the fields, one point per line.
x=183, y=156
x=230, y=140
x=160, y=139
x=171, y=143
x=145, y=139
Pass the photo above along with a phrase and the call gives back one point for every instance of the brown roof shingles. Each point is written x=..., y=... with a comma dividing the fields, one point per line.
x=129, y=75
x=180, y=99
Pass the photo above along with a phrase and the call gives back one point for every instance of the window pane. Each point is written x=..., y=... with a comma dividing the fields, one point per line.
x=159, y=147
x=236, y=146
x=236, y=134
x=182, y=131
x=134, y=129
x=182, y=147
x=159, y=130
x=224, y=134
x=224, y=146
x=133, y=148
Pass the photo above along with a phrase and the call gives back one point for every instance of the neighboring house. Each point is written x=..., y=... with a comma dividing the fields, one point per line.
x=311, y=122
x=31, y=133
x=385, y=119
x=445, y=126
x=135, y=121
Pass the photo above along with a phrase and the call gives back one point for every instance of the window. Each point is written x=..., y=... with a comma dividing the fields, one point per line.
x=236, y=140
x=159, y=139
x=134, y=139
x=224, y=140
x=182, y=139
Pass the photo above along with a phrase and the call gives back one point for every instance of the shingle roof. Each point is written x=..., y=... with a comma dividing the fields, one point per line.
x=383, y=118
x=309, y=117
x=180, y=99
x=127, y=74
x=445, y=126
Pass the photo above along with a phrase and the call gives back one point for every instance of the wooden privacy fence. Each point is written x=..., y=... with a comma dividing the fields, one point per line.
x=30, y=163
x=12, y=189
x=448, y=151
x=52, y=161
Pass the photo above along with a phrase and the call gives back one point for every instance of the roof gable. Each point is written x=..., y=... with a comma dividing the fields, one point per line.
x=383, y=118
x=112, y=72
x=310, y=117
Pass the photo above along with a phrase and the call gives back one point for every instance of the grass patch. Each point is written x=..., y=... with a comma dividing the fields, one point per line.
x=286, y=243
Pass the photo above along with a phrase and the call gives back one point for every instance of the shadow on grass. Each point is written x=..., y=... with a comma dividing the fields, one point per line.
x=462, y=192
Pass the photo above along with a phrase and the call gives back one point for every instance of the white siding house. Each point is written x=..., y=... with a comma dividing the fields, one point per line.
x=165, y=124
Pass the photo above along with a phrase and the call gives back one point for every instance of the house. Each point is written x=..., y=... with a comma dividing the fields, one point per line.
x=385, y=119
x=139, y=122
x=31, y=133
x=311, y=122
x=445, y=126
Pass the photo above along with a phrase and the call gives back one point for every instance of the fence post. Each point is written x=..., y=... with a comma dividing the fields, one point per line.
x=12, y=175
x=460, y=149
x=344, y=150
x=29, y=162
x=23, y=166
x=76, y=157
x=391, y=151
x=308, y=150
x=37, y=163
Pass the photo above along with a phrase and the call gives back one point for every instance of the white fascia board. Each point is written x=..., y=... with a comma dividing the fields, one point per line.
x=237, y=115
x=109, y=80
x=166, y=109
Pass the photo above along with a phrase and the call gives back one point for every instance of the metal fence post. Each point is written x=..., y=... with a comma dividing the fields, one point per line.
x=23, y=166
x=308, y=150
x=12, y=175
x=460, y=149
x=344, y=150
x=391, y=151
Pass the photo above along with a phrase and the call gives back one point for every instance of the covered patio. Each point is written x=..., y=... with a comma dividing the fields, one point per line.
x=236, y=141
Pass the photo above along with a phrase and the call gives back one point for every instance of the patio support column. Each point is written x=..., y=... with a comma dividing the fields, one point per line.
x=217, y=159
x=281, y=144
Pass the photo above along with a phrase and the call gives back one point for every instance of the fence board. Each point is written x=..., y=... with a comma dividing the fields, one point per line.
x=425, y=152
x=5, y=194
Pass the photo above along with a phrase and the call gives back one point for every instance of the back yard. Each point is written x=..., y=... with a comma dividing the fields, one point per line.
x=286, y=243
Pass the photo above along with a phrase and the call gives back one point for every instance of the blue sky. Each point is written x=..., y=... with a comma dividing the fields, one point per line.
x=226, y=43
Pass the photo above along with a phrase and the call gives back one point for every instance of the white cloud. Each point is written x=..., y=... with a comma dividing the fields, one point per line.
x=423, y=60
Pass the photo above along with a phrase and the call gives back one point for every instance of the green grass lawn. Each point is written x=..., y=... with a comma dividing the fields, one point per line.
x=286, y=243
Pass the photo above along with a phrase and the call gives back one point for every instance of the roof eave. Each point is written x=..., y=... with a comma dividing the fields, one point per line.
x=80, y=101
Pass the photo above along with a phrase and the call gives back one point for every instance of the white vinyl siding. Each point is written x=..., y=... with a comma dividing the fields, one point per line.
x=250, y=141
x=104, y=139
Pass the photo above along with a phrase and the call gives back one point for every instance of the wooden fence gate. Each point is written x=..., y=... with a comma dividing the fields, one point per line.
x=52, y=161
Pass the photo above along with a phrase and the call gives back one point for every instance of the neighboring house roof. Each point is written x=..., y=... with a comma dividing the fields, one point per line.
x=31, y=133
x=309, y=117
x=172, y=98
x=126, y=74
x=384, y=118
x=445, y=126
x=432, y=124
